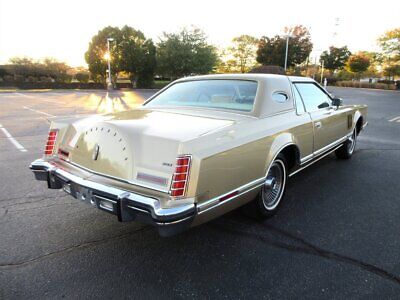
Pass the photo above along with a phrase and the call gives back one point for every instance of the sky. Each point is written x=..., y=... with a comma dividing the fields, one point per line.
x=63, y=28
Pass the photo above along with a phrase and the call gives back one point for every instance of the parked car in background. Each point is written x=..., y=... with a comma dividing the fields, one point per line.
x=199, y=148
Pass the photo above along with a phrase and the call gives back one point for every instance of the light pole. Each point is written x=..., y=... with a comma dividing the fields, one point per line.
x=287, y=48
x=322, y=71
x=109, y=62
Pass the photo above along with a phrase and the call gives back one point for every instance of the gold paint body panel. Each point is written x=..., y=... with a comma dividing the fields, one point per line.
x=228, y=149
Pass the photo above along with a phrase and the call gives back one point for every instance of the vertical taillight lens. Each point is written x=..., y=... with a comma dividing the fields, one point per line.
x=181, y=176
x=51, y=141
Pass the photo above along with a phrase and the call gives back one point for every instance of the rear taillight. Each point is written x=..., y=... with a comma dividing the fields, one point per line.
x=51, y=141
x=181, y=176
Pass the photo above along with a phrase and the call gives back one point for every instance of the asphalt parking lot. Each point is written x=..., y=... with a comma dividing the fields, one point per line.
x=336, y=236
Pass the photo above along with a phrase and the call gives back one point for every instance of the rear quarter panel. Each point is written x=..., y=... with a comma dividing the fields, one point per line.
x=241, y=154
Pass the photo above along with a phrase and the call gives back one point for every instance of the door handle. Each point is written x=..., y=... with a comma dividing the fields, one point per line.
x=318, y=124
x=330, y=111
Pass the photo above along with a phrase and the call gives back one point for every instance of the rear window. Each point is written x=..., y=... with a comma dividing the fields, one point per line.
x=236, y=95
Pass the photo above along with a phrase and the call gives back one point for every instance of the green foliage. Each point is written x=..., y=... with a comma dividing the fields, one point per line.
x=344, y=75
x=138, y=56
x=82, y=77
x=95, y=55
x=271, y=51
x=358, y=84
x=3, y=72
x=335, y=58
x=185, y=53
x=390, y=43
x=243, y=52
x=358, y=63
x=390, y=58
x=226, y=63
x=49, y=69
x=392, y=70
x=130, y=52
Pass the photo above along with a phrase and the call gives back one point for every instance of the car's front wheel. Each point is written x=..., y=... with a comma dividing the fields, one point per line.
x=348, y=147
x=270, y=197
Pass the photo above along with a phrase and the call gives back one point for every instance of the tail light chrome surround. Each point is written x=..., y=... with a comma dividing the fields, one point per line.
x=180, y=178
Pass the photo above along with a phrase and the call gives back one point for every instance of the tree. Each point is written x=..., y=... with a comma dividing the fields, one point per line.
x=271, y=51
x=56, y=70
x=335, y=58
x=130, y=52
x=3, y=71
x=244, y=51
x=95, y=55
x=185, y=53
x=392, y=70
x=390, y=44
x=358, y=63
x=138, y=56
x=44, y=70
x=226, y=63
x=82, y=77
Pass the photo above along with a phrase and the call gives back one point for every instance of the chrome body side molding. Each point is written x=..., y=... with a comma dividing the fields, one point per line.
x=215, y=202
x=318, y=152
x=305, y=162
x=314, y=160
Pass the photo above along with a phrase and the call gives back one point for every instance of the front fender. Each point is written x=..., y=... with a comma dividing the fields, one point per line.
x=361, y=112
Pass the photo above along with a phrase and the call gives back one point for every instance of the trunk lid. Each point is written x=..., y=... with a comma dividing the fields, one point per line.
x=139, y=146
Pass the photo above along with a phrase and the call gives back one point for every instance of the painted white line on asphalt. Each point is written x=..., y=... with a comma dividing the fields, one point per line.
x=12, y=140
x=38, y=111
x=23, y=95
x=395, y=119
x=39, y=99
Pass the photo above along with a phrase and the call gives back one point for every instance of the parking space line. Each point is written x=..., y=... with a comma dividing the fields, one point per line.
x=12, y=140
x=38, y=111
x=395, y=119
x=35, y=98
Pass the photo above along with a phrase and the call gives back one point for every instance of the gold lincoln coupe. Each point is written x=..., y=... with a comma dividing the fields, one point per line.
x=199, y=148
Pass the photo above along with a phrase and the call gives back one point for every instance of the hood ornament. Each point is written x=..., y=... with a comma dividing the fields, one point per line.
x=96, y=151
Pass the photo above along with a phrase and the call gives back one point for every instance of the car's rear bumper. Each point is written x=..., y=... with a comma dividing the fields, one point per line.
x=127, y=205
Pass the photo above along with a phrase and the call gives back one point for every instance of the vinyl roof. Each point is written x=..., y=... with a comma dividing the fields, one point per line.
x=248, y=76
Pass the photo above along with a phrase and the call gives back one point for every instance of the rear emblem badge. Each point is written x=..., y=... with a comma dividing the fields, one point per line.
x=96, y=151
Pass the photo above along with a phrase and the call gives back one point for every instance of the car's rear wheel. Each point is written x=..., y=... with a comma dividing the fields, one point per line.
x=270, y=197
x=348, y=147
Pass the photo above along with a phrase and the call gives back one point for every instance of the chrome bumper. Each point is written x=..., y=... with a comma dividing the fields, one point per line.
x=127, y=205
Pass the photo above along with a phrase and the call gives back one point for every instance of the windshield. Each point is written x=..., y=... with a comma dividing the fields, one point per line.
x=218, y=93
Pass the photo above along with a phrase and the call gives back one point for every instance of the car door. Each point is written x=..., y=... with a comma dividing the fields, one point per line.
x=330, y=124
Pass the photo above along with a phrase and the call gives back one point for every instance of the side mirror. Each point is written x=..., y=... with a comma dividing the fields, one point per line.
x=337, y=102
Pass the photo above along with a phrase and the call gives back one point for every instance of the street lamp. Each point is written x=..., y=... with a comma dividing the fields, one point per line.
x=287, y=48
x=108, y=57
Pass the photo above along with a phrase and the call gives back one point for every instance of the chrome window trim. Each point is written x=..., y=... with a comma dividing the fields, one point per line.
x=296, y=101
x=318, y=87
x=280, y=93
x=238, y=112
